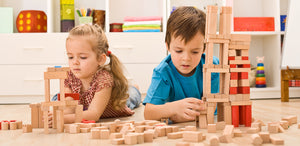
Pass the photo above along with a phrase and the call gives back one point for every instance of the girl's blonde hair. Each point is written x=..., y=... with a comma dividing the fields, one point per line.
x=96, y=36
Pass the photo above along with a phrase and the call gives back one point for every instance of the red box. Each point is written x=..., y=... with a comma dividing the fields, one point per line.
x=254, y=24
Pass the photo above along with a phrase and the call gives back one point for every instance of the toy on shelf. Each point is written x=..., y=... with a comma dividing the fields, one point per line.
x=66, y=15
x=31, y=21
x=260, y=73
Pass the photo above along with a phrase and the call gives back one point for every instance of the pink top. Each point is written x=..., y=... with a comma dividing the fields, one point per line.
x=101, y=79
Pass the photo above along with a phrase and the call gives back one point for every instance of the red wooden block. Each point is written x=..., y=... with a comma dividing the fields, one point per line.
x=12, y=120
x=233, y=90
x=231, y=58
x=248, y=118
x=242, y=114
x=243, y=90
x=234, y=76
x=75, y=96
x=254, y=24
x=245, y=58
x=235, y=115
x=232, y=65
x=244, y=66
x=242, y=75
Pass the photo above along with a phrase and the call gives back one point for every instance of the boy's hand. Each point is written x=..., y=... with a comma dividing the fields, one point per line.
x=187, y=109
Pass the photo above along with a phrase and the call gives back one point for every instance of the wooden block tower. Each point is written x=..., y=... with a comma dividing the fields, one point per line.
x=239, y=82
x=233, y=67
x=58, y=106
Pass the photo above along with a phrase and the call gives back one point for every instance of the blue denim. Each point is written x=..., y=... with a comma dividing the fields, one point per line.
x=133, y=101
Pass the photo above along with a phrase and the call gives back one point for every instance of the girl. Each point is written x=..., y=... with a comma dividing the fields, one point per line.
x=96, y=74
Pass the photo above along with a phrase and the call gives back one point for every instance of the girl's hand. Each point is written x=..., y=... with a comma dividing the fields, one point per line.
x=187, y=109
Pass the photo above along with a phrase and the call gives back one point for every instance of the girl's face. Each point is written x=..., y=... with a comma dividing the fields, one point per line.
x=83, y=61
x=186, y=57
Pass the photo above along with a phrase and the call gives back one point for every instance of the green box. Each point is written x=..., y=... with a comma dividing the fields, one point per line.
x=67, y=10
x=85, y=20
x=6, y=20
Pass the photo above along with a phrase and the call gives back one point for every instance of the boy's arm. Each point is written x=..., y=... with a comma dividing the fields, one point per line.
x=96, y=107
x=178, y=111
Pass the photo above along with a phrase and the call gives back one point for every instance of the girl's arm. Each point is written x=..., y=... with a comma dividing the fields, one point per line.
x=96, y=107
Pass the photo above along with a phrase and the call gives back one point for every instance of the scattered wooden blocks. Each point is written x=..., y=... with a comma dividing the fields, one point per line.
x=118, y=141
x=175, y=135
x=95, y=134
x=148, y=136
x=130, y=139
x=290, y=119
x=104, y=134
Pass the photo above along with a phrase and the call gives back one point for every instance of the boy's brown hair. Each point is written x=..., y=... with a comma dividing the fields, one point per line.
x=185, y=22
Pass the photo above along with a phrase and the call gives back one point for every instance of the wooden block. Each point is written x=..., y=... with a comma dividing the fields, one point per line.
x=169, y=129
x=244, y=83
x=118, y=141
x=140, y=123
x=237, y=133
x=280, y=128
x=202, y=121
x=4, y=125
x=239, y=62
x=233, y=83
x=291, y=119
x=239, y=70
x=256, y=139
x=148, y=136
x=225, y=139
x=277, y=141
x=228, y=130
x=104, y=134
x=95, y=134
x=74, y=128
x=34, y=115
x=220, y=125
x=151, y=122
x=214, y=141
x=273, y=128
x=175, y=128
x=252, y=130
x=244, y=52
x=78, y=113
x=60, y=121
x=233, y=103
x=231, y=53
x=256, y=125
x=211, y=128
x=19, y=125
x=161, y=130
x=55, y=75
x=240, y=37
x=85, y=130
x=265, y=136
x=130, y=139
x=284, y=124
x=115, y=135
x=190, y=128
x=125, y=129
x=27, y=128
x=182, y=144
x=140, y=129
x=140, y=138
x=257, y=121
x=67, y=128
x=175, y=135
x=192, y=136
x=13, y=125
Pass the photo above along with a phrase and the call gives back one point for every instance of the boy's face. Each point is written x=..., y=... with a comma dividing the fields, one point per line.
x=187, y=56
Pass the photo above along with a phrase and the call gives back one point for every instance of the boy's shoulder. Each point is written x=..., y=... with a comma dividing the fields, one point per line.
x=164, y=65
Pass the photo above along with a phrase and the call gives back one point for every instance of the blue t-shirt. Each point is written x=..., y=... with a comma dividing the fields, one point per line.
x=169, y=85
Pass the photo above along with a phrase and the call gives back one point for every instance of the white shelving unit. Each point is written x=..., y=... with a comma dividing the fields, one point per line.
x=140, y=52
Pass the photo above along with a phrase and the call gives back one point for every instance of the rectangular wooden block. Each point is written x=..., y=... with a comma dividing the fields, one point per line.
x=104, y=134
x=229, y=130
x=277, y=141
x=148, y=136
x=211, y=128
x=175, y=135
x=192, y=136
x=95, y=134
x=118, y=141
x=265, y=136
x=130, y=139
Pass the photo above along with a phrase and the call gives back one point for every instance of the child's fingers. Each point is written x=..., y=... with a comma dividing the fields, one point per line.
x=194, y=100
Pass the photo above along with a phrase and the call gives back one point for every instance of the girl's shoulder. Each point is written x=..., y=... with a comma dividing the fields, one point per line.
x=103, y=76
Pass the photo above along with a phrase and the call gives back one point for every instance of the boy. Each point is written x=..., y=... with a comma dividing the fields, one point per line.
x=177, y=82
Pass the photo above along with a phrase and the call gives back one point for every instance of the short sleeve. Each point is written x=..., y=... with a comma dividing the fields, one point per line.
x=104, y=79
x=158, y=91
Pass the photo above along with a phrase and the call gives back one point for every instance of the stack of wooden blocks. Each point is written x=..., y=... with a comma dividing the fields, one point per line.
x=39, y=111
x=233, y=100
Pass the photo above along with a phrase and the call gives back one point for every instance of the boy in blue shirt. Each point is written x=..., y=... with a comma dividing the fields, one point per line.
x=177, y=82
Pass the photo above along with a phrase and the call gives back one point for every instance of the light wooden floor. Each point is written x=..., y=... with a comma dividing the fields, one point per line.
x=265, y=110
